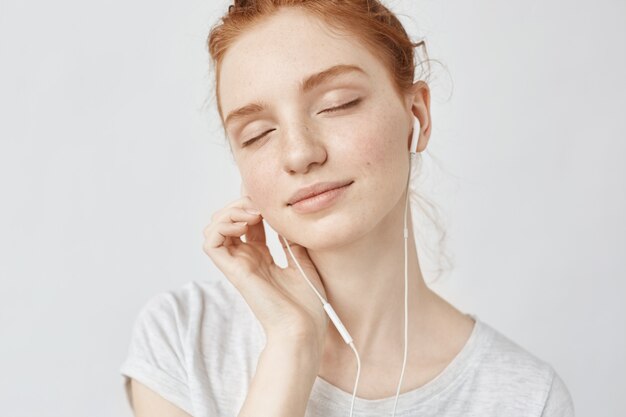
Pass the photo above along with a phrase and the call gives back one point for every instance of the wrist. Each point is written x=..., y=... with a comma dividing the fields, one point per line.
x=301, y=352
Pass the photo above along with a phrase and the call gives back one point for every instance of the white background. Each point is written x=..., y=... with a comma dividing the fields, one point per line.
x=112, y=160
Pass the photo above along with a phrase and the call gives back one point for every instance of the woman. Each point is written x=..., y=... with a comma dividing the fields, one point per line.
x=317, y=97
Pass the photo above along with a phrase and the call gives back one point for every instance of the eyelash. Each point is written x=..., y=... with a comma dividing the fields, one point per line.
x=332, y=109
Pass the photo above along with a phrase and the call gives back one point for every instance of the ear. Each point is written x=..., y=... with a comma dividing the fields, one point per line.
x=418, y=102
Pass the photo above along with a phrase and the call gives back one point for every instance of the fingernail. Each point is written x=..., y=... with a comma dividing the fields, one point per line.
x=253, y=211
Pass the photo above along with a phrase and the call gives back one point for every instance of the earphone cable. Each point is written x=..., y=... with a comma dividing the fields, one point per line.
x=412, y=155
x=339, y=325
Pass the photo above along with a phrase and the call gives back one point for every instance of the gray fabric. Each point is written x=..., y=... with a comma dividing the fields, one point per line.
x=198, y=347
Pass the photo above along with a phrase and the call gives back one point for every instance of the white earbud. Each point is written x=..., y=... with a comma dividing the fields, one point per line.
x=415, y=137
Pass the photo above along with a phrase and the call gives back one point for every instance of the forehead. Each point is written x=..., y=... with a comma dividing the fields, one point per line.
x=269, y=60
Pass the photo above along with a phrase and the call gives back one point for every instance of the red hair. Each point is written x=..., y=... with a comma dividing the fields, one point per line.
x=373, y=24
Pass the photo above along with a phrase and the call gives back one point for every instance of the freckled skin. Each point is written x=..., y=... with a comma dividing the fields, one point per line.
x=366, y=143
x=357, y=244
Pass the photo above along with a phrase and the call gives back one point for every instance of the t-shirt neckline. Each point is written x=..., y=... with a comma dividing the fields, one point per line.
x=410, y=400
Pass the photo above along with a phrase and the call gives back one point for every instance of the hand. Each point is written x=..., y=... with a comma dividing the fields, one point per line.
x=280, y=298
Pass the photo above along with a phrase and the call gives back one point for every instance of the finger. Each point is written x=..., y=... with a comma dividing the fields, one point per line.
x=237, y=214
x=242, y=202
x=256, y=231
x=225, y=234
x=231, y=215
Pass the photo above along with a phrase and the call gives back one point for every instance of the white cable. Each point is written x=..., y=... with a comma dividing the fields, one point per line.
x=336, y=321
x=358, y=373
x=406, y=279
x=303, y=274
x=339, y=325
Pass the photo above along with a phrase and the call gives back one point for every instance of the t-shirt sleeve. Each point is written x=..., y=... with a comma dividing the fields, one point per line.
x=559, y=402
x=156, y=354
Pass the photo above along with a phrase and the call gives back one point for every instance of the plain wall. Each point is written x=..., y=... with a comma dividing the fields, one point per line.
x=112, y=160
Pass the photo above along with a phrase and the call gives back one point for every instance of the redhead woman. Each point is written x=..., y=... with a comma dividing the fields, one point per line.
x=326, y=124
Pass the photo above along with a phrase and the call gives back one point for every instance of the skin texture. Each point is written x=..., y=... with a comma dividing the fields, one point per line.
x=357, y=245
x=147, y=403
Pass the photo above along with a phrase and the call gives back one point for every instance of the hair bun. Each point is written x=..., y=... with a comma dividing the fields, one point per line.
x=239, y=4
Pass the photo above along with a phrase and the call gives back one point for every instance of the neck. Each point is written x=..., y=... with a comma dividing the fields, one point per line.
x=364, y=282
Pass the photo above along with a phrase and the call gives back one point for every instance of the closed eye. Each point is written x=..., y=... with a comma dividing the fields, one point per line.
x=248, y=142
x=330, y=110
x=343, y=106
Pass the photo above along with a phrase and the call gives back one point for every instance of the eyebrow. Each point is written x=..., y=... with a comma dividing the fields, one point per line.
x=305, y=85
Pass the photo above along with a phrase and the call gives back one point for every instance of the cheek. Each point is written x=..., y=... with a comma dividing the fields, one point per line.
x=375, y=143
x=378, y=147
x=258, y=187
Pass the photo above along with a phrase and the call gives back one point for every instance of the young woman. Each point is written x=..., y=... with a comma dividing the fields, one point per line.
x=321, y=111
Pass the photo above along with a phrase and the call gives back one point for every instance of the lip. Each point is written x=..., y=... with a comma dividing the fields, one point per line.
x=315, y=189
x=320, y=201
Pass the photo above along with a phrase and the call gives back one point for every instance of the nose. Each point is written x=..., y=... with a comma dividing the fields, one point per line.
x=301, y=149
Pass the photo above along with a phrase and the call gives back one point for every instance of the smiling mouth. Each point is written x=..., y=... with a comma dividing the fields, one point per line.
x=339, y=186
x=320, y=201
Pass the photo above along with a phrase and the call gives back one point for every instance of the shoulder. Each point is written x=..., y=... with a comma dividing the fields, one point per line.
x=182, y=338
x=210, y=317
x=213, y=303
x=505, y=354
x=520, y=376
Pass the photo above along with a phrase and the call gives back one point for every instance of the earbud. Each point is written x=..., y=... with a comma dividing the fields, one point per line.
x=415, y=137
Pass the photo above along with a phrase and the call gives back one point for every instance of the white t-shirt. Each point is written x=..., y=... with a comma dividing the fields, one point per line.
x=198, y=347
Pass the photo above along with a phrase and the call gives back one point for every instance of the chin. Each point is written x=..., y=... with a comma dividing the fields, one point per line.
x=329, y=232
